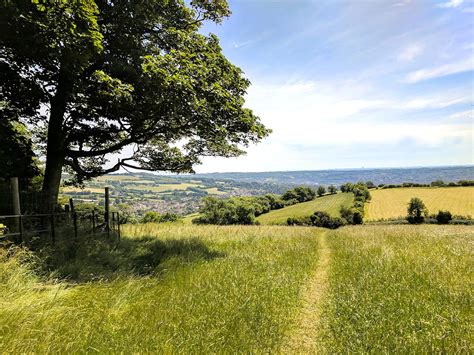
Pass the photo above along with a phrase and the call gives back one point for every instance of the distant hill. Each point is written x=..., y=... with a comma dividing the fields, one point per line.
x=337, y=177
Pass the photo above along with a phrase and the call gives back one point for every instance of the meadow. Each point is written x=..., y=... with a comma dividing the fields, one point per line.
x=329, y=203
x=181, y=289
x=392, y=203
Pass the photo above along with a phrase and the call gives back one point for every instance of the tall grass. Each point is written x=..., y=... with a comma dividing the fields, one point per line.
x=165, y=288
x=401, y=289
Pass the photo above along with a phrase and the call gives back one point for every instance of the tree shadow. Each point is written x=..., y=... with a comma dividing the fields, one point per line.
x=93, y=260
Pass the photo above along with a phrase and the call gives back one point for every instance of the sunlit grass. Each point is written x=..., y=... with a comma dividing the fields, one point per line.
x=181, y=289
x=400, y=289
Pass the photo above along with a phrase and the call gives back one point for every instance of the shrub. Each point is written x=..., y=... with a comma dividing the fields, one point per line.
x=417, y=211
x=298, y=221
x=438, y=183
x=444, y=217
x=155, y=217
x=352, y=215
x=332, y=189
x=370, y=184
x=321, y=191
x=323, y=219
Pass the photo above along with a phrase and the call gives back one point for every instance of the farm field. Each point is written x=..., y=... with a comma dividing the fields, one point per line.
x=392, y=203
x=328, y=203
x=182, y=289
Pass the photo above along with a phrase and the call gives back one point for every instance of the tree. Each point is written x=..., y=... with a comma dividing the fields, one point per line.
x=438, y=183
x=321, y=191
x=94, y=77
x=370, y=184
x=444, y=217
x=323, y=219
x=417, y=211
x=332, y=189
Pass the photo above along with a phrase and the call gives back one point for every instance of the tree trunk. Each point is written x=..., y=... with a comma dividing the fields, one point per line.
x=51, y=182
x=55, y=150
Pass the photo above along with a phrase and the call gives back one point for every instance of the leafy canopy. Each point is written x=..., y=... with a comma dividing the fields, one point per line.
x=93, y=77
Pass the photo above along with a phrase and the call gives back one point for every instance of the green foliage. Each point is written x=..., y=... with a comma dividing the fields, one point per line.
x=17, y=158
x=299, y=221
x=321, y=191
x=120, y=73
x=244, y=210
x=155, y=217
x=370, y=184
x=417, y=211
x=300, y=193
x=444, y=217
x=352, y=215
x=324, y=220
x=438, y=183
x=332, y=189
x=230, y=211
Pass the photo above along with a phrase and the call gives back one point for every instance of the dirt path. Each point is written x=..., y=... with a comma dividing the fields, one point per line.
x=303, y=338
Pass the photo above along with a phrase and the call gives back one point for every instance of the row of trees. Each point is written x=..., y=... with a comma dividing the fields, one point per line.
x=436, y=183
x=244, y=210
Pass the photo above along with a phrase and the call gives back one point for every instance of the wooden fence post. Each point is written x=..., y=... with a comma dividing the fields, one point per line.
x=16, y=205
x=107, y=211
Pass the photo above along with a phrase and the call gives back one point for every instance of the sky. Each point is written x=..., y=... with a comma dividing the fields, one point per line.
x=352, y=84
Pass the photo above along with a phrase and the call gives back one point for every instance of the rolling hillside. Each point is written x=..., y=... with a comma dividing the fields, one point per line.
x=392, y=203
x=329, y=203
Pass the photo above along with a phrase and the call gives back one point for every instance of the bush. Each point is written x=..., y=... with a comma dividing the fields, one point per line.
x=298, y=221
x=323, y=219
x=439, y=183
x=155, y=217
x=417, y=211
x=332, y=189
x=321, y=191
x=352, y=215
x=444, y=217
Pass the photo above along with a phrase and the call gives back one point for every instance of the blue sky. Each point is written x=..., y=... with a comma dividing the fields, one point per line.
x=350, y=84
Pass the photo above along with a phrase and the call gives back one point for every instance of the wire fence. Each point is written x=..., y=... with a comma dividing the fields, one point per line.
x=53, y=228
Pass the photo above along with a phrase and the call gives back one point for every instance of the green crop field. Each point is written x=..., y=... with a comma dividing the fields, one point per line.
x=392, y=203
x=253, y=289
x=328, y=203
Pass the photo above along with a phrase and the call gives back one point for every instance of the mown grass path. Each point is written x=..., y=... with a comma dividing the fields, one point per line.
x=304, y=336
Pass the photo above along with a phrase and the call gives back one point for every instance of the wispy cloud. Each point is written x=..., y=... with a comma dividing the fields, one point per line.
x=468, y=114
x=440, y=71
x=409, y=53
x=451, y=3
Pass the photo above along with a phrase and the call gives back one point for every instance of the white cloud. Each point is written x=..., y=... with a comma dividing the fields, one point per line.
x=440, y=71
x=468, y=115
x=451, y=3
x=410, y=53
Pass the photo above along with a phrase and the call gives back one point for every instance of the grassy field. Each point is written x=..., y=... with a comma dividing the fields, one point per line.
x=400, y=289
x=392, y=203
x=253, y=289
x=329, y=203
x=166, y=289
